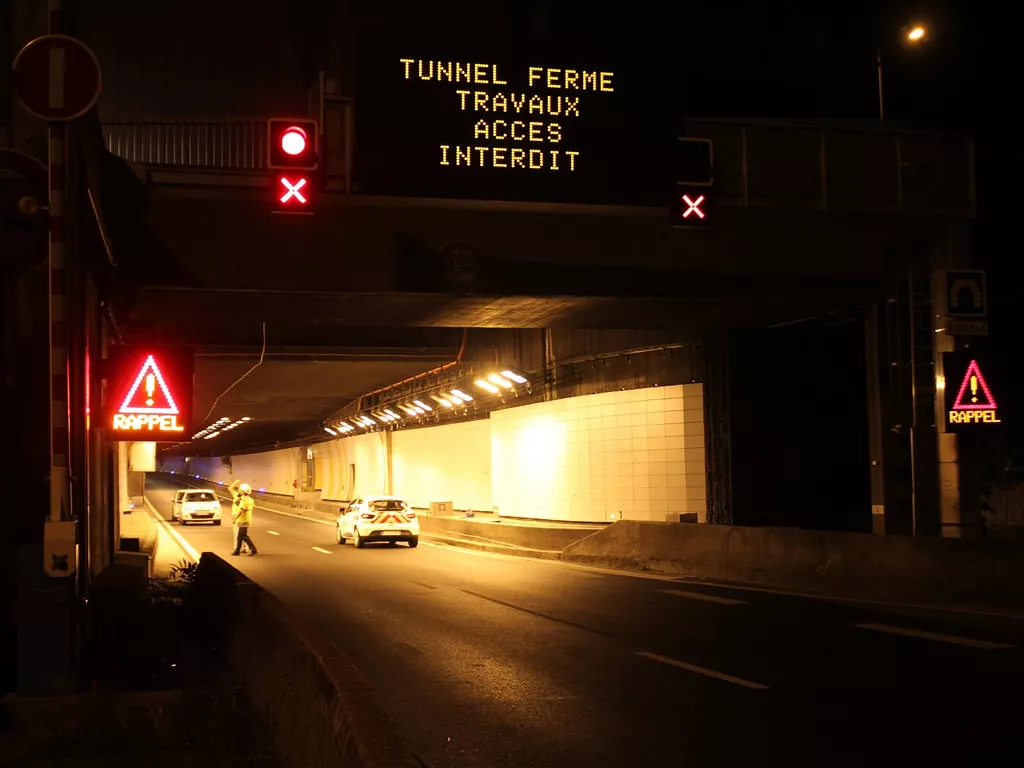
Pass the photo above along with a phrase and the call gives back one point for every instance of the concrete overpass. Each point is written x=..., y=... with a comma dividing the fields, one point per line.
x=680, y=335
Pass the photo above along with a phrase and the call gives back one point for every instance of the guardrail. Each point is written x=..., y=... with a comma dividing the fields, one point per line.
x=840, y=168
x=207, y=144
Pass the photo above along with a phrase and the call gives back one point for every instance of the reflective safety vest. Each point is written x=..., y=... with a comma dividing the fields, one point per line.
x=241, y=510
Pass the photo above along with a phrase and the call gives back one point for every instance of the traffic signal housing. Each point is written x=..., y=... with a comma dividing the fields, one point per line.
x=694, y=182
x=293, y=157
x=293, y=144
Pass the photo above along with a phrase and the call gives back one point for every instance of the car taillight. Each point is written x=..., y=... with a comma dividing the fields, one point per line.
x=411, y=515
x=367, y=516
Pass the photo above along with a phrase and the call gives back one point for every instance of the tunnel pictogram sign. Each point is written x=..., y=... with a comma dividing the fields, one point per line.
x=974, y=402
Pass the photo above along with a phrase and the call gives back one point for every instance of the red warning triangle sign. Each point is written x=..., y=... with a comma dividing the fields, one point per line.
x=149, y=393
x=974, y=394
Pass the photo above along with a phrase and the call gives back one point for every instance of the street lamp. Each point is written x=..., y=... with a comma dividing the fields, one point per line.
x=915, y=34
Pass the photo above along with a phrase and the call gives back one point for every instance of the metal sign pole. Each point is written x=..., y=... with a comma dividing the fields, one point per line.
x=60, y=432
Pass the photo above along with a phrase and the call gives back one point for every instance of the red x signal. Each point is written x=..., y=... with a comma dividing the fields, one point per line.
x=293, y=190
x=693, y=206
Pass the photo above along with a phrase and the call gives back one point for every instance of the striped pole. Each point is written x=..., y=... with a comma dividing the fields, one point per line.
x=60, y=412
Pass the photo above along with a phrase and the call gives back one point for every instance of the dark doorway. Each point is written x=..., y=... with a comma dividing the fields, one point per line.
x=799, y=426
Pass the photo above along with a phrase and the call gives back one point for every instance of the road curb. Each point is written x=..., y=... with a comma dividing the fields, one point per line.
x=536, y=554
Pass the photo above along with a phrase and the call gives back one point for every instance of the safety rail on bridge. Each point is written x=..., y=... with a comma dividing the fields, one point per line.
x=839, y=168
x=756, y=164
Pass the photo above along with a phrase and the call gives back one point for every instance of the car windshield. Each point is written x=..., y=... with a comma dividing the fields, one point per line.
x=387, y=505
x=203, y=496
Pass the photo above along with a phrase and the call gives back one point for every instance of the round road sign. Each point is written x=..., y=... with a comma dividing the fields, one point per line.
x=57, y=77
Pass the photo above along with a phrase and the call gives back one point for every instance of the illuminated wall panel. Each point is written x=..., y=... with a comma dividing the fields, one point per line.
x=637, y=454
x=448, y=463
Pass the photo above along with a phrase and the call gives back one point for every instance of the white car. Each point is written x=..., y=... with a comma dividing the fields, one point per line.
x=378, y=518
x=195, y=506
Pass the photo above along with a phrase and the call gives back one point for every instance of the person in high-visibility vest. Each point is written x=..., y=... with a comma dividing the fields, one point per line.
x=241, y=515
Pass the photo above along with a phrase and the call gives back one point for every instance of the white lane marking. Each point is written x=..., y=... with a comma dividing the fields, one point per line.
x=701, y=596
x=703, y=671
x=326, y=552
x=273, y=533
x=851, y=600
x=187, y=548
x=937, y=636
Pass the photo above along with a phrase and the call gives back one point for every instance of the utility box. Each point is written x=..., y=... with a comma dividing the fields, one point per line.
x=441, y=508
x=60, y=548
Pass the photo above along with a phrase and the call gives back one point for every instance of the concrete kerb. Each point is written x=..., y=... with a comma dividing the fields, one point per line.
x=491, y=547
x=317, y=706
x=815, y=562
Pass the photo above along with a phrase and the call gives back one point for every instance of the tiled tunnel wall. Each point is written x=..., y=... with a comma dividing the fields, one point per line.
x=636, y=453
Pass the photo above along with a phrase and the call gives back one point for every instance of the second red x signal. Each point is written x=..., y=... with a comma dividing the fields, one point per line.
x=690, y=207
x=293, y=193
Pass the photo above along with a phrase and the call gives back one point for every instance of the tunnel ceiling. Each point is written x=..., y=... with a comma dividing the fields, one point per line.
x=283, y=399
x=209, y=316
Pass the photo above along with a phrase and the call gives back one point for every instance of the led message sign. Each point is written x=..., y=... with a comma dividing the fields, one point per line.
x=149, y=395
x=551, y=126
x=971, y=401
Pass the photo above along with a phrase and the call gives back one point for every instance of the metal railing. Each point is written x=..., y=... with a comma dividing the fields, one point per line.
x=840, y=168
x=206, y=144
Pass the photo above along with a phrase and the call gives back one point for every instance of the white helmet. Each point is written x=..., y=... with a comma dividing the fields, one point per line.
x=245, y=488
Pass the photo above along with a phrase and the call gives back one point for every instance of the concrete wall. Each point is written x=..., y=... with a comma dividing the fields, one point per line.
x=355, y=466
x=637, y=454
x=857, y=564
x=449, y=463
x=271, y=472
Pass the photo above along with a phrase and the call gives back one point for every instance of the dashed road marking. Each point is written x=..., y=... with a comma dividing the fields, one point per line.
x=987, y=645
x=273, y=533
x=702, y=596
x=320, y=549
x=703, y=671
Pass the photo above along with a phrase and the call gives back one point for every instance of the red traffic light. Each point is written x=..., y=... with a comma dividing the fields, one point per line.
x=293, y=141
x=292, y=144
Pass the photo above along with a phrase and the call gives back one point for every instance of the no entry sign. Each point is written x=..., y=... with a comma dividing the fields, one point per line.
x=57, y=77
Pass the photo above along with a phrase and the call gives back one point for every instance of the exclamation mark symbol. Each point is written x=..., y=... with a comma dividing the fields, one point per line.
x=151, y=386
x=974, y=389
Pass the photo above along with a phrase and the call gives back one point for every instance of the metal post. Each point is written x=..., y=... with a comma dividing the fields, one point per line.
x=60, y=433
x=913, y=402
x=881, y=103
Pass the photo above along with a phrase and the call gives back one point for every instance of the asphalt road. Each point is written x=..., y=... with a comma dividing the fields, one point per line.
x=493, y=661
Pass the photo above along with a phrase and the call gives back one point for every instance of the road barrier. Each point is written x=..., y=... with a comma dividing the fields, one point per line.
x=852, y=564
x=319, y=710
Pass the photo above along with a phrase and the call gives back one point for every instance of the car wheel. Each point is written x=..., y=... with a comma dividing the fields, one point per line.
x=182, y=521
x=357, y=539
x=414, y=542
x=337, y=531
x=216, y=522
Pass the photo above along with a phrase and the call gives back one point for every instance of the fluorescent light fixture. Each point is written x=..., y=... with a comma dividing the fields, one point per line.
x=422, y=405
x=486, y=385
x=514, y=377
x=462, y=395
x=392, y=414
x=330, y=431
x=500, y=381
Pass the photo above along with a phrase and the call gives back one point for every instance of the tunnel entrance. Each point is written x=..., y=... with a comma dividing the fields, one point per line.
x=798, y=398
